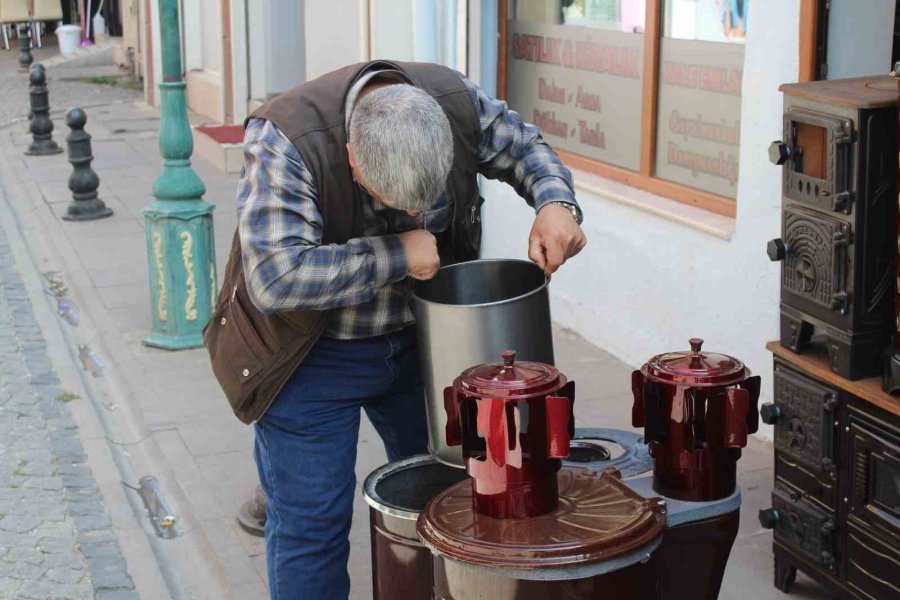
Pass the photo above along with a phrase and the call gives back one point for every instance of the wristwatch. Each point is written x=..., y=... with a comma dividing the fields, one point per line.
x=573, y=208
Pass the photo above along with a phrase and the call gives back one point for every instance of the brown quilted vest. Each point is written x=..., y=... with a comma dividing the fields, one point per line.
x=254, y=354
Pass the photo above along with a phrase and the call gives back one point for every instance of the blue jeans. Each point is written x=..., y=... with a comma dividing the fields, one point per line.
x=306, y=453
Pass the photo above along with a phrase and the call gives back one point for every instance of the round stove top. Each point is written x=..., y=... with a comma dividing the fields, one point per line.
x=598, y=519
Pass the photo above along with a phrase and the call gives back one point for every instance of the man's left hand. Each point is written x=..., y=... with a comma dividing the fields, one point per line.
x=555, y=237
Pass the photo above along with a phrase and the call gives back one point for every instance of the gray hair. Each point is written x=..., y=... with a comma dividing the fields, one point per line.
x=403, y=145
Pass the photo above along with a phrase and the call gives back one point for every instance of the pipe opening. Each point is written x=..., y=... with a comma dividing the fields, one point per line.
x=481, y=282
x=587, y=452
x=608, y=449
x=410, y=489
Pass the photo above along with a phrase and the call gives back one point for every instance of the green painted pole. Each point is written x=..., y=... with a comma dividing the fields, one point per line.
x=179, y=226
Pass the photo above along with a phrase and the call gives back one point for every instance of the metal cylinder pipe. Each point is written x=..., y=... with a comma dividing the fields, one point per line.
x=467, y=315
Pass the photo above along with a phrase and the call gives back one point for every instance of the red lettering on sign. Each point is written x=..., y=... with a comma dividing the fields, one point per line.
x=703, y=77
x=592, y=136
x=547, y=122
x=550, y=91
x=587, y=101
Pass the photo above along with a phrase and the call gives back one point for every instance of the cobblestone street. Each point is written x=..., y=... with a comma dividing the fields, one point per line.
x=56, y=539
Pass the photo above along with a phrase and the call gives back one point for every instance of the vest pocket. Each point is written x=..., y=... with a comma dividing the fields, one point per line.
x=240, y=356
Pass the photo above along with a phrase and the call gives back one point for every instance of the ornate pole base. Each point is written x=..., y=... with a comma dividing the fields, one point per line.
x=43, y=147
x=890, y=378
x=87, y=210
x=179, y=225
x=183, y=285
x=252, y=516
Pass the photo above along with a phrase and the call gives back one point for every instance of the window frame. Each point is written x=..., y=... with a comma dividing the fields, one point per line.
x=645, y=178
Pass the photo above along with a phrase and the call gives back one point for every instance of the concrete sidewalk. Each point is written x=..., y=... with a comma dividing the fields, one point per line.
x=168, y=409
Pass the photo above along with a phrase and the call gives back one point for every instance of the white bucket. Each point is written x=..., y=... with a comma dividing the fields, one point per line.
x=69, y=38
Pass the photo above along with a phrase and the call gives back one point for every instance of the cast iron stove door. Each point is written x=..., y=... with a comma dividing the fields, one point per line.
x=816, y=263
x=807, y=529
x=818, y=171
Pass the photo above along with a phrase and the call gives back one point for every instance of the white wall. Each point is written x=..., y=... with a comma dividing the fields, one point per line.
x=335, y=35
x=860, y=38
x=209, y=28
x=392, y=29
x=287, y=55
x=258, y=40
x=646, y=284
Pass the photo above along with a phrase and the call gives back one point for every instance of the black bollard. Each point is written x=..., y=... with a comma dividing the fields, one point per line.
x=83, y=181
x=41, y=125
x=25, y=58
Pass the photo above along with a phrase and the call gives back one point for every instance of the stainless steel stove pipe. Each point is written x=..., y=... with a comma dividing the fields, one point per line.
x=467, y=315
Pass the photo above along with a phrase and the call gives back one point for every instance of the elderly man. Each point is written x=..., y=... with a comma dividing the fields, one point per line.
x=353, y=185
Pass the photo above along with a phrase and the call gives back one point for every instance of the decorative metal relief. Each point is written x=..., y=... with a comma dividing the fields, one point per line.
x=805, y=527
x=162, y=294
x=815, y=266
x=190, y=304
x=212, y=286
x=804, y=430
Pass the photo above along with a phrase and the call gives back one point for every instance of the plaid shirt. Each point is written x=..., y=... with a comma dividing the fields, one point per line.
x=364, y=282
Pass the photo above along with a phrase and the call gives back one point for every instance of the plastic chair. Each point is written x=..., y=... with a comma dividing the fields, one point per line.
x=13, y=11
x=44, y=10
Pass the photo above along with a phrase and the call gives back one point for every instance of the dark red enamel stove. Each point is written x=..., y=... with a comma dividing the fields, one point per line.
x=697, y=409
x=514, y=422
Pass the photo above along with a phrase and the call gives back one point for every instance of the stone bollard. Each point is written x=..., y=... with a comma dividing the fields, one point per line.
x=25, y=58
x=83, y=181
x=41, y=125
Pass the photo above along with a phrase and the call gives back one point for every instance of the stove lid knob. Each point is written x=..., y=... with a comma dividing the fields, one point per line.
x=770, y=413
x=776, y=249
x=768, y=518
x=779, y=152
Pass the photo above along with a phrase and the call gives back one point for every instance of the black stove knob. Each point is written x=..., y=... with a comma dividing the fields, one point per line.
x=768, y=518
x=776, y=249
x=779, y=152
x=770, y=413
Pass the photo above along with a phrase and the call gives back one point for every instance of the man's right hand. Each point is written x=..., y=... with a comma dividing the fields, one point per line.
x=421, y=253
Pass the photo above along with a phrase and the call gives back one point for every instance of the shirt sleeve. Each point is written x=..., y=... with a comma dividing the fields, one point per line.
x=286, y=266
x=514, y=152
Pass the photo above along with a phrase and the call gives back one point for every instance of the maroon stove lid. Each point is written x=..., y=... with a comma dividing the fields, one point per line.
x=598, y=519
x=695, y=368
x=509, y=378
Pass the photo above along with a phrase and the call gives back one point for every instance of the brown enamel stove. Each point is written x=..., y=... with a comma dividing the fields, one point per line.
x=697, y=409
x=524, y=527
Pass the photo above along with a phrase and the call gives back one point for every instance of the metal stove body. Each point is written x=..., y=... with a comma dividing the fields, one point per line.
x=837, y=244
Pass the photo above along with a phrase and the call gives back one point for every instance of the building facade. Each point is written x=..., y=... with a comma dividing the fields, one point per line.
x=663, y=109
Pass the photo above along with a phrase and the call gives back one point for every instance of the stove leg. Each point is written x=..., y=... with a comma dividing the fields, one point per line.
x=891, y=378
x=795, y=332
x=785, y=573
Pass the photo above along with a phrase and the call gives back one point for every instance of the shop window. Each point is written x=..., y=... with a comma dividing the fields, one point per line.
x=647, y=92
x=701, y=64
x=420, y=31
